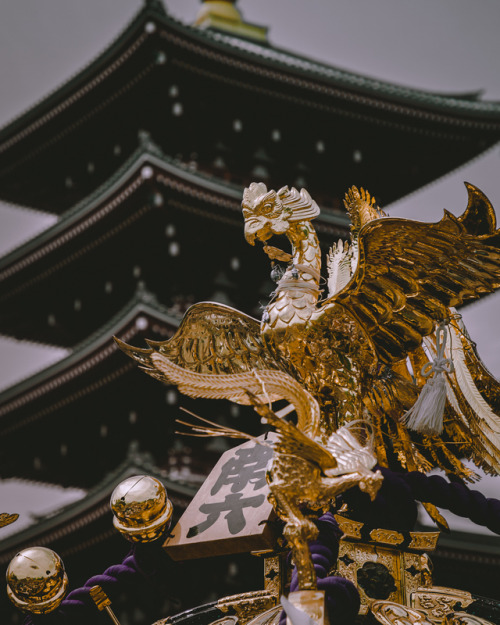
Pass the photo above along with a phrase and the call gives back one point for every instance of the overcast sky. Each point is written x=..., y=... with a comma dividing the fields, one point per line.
x=441, y=45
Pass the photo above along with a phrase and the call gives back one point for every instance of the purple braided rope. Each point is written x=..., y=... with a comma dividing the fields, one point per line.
x=395, y=506
x=456, y=497
x=341, y=596
x=142, y=561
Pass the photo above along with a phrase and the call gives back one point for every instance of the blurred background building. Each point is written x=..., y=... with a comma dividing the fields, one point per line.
x=120, y=207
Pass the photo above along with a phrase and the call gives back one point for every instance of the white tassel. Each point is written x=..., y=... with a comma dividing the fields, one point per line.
x=426, y=414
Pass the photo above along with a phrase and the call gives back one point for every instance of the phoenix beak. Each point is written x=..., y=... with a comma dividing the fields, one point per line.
x=250, y=236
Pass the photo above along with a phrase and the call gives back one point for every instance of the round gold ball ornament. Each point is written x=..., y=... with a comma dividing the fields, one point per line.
x=36, y=580
x=141, y=508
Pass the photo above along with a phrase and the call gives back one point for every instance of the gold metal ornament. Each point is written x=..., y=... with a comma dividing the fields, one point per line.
x=274, y=573
x=7, y=519
x=355, y=355
x=359, y=350
x=103, y=602
x=36, y=580
x=439, y=602
x=141, y=508
x=391, y=613
x=305, y=470
x=384, y=564
x=248, y=605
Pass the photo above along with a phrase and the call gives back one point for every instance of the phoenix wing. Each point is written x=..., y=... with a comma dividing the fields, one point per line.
x=408, y=276
x=409, y=273
x=292, y=441
x=211, y=338
x=217, y=353
x=212, y=342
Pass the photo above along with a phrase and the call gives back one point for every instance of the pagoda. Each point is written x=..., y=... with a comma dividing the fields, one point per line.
x=142, y=157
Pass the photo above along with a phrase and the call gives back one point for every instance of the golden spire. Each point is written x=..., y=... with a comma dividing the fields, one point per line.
x=223, y=15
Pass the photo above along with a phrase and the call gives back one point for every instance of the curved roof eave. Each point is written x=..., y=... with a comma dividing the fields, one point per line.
x=130, y=176
x=98, y=70
x=95, y=68
x=125, y=175
x=467, y=104
x=95, y=504
x=141, y=304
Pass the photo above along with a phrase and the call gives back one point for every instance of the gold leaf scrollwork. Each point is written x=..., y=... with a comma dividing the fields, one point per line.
x=248, y=605
x=389, y=537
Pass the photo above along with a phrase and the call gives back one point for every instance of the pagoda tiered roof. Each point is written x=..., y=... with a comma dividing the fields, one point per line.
x=146, y=168
x=57, y=417
x=142, y=315
x=72, y=422
x=124, y=214
x=90, y=123
x=95, y=357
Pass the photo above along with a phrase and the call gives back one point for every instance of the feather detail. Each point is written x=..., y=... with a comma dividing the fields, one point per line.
x=213, y=429
x=470, y=391
x=267, y=385
x=486, y=424
x=354, y=256
x=340, y=266
x=436, y=516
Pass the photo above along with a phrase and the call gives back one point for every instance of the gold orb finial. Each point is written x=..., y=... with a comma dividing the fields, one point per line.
x=36, y=580
x=141, y=508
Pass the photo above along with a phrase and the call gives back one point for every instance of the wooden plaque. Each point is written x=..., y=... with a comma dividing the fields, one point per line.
x=229, y=513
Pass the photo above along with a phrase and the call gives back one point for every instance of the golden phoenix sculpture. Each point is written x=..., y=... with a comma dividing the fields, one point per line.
x=386, y=333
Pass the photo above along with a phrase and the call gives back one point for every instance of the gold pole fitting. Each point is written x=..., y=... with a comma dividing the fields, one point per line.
x=103, y=602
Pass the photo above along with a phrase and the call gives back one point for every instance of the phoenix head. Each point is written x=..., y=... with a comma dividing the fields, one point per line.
x=269, y=213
